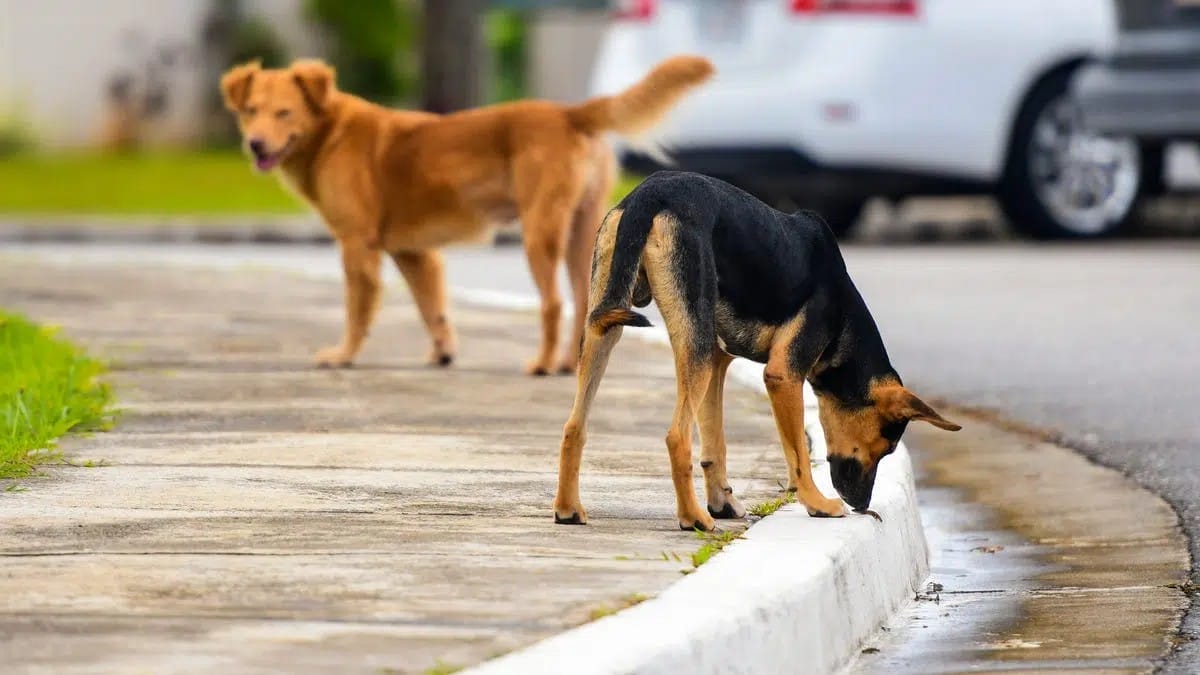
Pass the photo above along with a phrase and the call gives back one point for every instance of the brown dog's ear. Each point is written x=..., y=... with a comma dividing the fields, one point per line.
x=315, y=79
x=897, y=403
x=235, y=84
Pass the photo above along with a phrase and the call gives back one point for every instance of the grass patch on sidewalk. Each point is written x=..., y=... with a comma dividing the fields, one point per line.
x=764, y=509
x=48, y=387
x=713, y=543
x=215, y=183
x=152, y=183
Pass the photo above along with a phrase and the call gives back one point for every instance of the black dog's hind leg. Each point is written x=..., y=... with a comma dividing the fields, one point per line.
x=682, y=280
x=597, y=347
x=721, y=502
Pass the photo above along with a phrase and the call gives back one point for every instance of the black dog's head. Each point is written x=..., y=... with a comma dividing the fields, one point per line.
x=858, y=437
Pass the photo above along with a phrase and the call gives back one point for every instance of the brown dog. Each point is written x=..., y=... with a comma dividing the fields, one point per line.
x=407, y=183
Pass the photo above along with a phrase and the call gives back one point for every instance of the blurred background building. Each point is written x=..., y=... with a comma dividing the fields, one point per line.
x=124, y=72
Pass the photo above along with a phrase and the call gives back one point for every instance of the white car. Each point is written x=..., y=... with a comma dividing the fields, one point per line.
x=823, y=104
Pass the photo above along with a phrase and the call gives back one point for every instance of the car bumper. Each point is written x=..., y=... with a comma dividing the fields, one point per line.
x=782, y=170
x=1158, y=104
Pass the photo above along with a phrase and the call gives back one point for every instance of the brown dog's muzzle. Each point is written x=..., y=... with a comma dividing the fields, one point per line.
x=853, y=481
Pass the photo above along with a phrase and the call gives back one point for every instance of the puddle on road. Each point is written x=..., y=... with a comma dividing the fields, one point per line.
x=1040, y=560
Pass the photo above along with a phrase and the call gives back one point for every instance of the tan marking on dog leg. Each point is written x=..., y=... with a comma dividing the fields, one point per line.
x=597, y=347
x=360, y=265
x=721, y=502
x=772, y=339
x=658, y=266
x=691, y=383
x=606, y=239
x=787, y=403
x=425, y=273
x=692, y=377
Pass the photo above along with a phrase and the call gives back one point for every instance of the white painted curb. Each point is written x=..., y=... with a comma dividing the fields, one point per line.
x=795, y=594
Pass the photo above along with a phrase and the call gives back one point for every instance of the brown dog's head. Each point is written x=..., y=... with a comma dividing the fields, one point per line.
x=277, y=108
x=857, y=438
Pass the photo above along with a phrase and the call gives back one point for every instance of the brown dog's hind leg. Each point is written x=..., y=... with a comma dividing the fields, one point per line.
x=721, y=502
x=425, y=273
x=597, y=346
x=580, y=246
x=786, y=391
x=544, y=223
x=360, y=265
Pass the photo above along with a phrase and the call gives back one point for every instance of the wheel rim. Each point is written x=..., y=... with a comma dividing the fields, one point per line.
x=1086, y=181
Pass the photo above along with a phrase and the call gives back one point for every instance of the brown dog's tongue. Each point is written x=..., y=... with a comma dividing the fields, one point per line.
x=869, y=512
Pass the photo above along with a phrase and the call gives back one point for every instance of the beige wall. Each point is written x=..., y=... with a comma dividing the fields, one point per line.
x=562, y=51
x=56, y=57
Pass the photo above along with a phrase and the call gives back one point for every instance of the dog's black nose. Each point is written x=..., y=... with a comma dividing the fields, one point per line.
x=257, y=147
x=852, y=481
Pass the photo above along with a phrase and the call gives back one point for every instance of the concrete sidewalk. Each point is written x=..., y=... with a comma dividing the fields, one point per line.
x=250, y=512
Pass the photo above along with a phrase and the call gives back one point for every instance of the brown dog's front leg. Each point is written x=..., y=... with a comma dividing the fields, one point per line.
x=425, y=272
x=360, y=264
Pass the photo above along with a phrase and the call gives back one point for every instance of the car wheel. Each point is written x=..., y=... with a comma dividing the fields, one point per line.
x=1063, y=181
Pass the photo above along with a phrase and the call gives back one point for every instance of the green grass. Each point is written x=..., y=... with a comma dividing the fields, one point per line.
x=713, y=543
x=625, y=184
x=772, y=505
x=48, y=387
x=624, y=603
x=440, y=668
x=162, y=183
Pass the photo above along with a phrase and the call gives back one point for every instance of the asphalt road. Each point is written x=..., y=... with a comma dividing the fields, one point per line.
x=1097, y=342
x=1100, y=343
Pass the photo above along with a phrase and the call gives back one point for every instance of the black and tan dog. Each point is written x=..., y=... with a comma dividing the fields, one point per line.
x=734, y=277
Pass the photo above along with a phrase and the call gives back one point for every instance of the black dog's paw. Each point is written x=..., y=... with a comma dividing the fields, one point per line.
x=726, y=513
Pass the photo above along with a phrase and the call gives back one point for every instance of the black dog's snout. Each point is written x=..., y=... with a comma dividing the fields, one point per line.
x=258, y=147
x=852, y=481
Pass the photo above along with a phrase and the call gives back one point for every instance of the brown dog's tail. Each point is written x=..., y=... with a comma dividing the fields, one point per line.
x=641, y=106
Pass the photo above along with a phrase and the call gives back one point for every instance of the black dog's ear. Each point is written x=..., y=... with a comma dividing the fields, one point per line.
x=896, y=403
x=235, y=84
x=315, y=79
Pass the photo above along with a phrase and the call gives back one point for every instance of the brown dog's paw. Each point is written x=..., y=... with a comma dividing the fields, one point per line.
x=537, y=368
x=441, y=359
x=334, y=357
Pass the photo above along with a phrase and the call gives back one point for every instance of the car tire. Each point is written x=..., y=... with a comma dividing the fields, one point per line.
x=1061, y=182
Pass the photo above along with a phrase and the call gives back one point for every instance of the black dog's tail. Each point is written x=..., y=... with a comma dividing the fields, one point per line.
x=621, y=247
